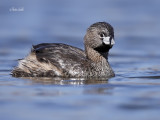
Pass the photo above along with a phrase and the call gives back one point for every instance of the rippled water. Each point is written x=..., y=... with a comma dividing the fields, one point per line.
x=133, y=94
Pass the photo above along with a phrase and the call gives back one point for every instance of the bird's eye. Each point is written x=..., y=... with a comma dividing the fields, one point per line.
x=101, y=34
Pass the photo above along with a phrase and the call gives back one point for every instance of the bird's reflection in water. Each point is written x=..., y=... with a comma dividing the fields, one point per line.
x=67, y=81
x=90, y=86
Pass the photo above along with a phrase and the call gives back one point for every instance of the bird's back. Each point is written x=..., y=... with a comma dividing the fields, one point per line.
x=48, y=60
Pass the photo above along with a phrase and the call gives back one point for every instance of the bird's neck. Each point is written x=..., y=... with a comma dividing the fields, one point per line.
x=95, y=56
x=100, y=62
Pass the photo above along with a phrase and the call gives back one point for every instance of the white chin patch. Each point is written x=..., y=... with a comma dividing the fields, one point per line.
x=106, y=40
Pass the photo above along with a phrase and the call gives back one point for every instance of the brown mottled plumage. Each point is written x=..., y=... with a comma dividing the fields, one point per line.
x=61, y=60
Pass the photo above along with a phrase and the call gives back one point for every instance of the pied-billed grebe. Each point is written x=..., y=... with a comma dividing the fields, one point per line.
x=61, y=60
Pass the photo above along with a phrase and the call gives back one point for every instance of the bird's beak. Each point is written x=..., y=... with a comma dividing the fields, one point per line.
x=108, y=41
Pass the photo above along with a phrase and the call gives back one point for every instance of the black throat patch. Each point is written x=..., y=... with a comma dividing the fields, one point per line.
x=103, y=48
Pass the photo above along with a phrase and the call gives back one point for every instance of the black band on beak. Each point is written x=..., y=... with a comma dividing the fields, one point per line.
x=110, y=41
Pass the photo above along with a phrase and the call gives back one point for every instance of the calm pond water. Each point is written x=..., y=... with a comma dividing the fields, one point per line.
x=134, y=94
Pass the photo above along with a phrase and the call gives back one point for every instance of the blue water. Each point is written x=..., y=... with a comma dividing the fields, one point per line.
x=134, y=94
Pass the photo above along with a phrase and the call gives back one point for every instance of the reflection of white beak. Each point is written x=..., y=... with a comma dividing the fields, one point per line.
x=108, y=41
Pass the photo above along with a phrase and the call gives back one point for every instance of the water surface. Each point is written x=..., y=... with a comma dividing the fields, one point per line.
x=134, y=93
